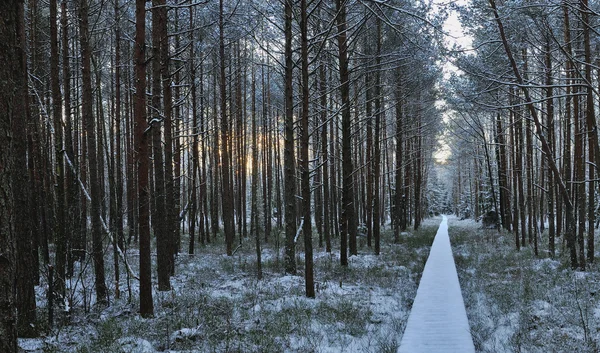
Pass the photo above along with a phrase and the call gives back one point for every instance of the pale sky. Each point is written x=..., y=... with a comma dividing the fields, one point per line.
x=453, y=27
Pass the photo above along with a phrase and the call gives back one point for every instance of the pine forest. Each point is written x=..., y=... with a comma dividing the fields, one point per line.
x=270, y=175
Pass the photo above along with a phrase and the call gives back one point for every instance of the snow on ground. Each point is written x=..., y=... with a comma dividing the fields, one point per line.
x=519, y=302
x=438, y=320
x=217, y=304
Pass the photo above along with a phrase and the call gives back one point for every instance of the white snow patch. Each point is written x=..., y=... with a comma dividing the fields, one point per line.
x=31, y=344
x=135, y=345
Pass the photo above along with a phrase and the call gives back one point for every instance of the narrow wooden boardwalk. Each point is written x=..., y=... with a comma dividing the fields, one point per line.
x=438, y=321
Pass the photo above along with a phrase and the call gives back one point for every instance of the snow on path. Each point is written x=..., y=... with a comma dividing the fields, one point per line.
x=438, y=321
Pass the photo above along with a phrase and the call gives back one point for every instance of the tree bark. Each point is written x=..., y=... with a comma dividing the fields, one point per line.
x=159, y=214
x=142, y=160
x=347, y=225
x=304, y=162
x=227, y=194
x=12, y=97
x=94, y=173
x=289, y=169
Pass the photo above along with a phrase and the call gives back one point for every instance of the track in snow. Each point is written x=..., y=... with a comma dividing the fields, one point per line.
x=438, y=321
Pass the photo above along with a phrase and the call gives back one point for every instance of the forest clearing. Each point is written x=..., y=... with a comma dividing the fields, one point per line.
x=269, y=175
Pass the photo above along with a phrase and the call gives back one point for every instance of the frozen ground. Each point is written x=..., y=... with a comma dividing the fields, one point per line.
x=517, y=302
x=218, y=305
x=438, y=320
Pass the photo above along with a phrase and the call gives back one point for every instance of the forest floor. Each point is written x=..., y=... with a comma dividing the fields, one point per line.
x=218, y=305
x=515, y=302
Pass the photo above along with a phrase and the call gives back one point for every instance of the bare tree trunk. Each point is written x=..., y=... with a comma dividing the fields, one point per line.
x=12, y=94
x=347, y=225
x=60, y=228
x=171, y=211
x=227, y=194
x=377, y=162
x=288, y=159
x=26, y=263
x=515, y=183
x=325, y=156
x=369, y=153
x=592, y=131
x=255, y=218
x=304, y=162
x=73, y=213
x=194, y=155
x=94, y=173
x=159, y=214
x=400, y=222
x=550, y=126
x=142, y=160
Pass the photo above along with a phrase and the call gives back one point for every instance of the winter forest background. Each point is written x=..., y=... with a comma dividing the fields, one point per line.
x=267, y=176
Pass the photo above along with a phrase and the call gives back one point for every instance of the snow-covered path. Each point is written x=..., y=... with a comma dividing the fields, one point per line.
x=438, y=321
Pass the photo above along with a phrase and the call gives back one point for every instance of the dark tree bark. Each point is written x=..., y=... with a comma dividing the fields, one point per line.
x=592, y=131
x=215, y=190
x=26, y=265
x=400, y=221
x=73, y=213
x=162, y=231
x=515, y=194
x=304, y=162
x=13, y=91
x=579, y=177
x=289, y=170
x=11, y=97
x=142, y=160
x=193, y=202
x=171, y=211
x=377, y=151
x=60, y=234
x=325, y=157
x=550, y=126
x=255, y=218
x=347, y=225
x=503, y=183
x=227, y=192
x=369, y=155
x=94, y=173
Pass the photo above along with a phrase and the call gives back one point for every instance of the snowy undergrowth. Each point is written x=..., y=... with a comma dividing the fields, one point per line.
x=517, y=302
x=217, y=304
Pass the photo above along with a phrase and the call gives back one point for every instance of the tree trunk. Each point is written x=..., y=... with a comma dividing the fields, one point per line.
x=12, y=76
x=26, y=264
x=592, y=131
x=347, y=225
x=60, y=235
x=159, y=214
x=227, y=192
x=94, y=173
x=171, y=212
x=377, y=161
x=142, y=153
x=193, y=201
x=325, y=157
x=550, y=125
x=255, y=218
x=304, y=158
x=289, y=170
